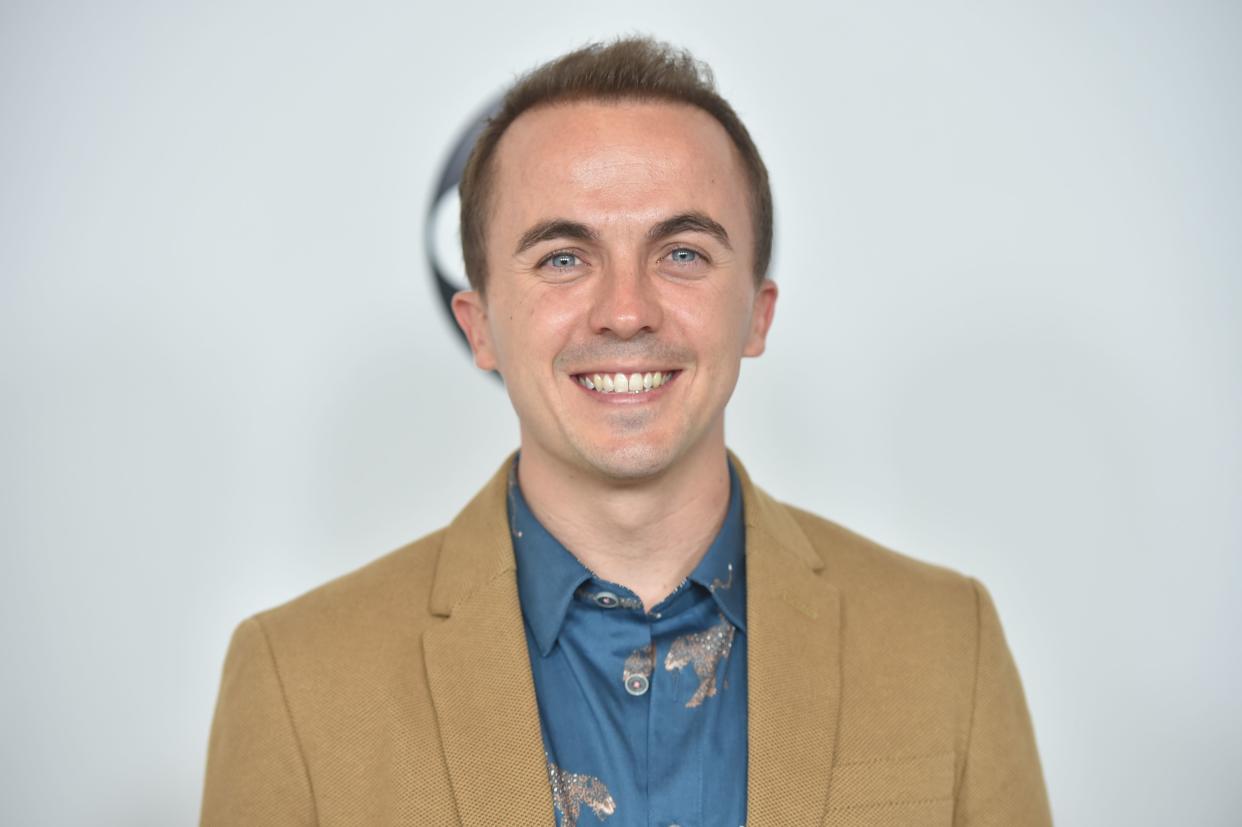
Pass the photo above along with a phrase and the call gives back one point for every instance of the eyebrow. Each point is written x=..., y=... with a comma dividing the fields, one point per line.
x=694, y=222
x=564, y=228
x=554, y=228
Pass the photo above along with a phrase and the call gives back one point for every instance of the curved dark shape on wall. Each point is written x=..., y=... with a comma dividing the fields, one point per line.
x=450, y=177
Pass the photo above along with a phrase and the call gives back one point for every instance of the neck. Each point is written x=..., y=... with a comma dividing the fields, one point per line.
x=646, y=535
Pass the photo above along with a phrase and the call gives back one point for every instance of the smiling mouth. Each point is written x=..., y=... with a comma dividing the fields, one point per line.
x=632, y=383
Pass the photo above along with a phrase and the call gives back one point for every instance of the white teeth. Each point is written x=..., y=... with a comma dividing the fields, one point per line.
x=621, y=383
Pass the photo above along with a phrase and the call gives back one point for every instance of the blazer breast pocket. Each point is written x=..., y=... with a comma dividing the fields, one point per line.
x=895, y=791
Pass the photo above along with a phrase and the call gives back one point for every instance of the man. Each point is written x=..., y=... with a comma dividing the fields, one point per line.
x=621, y=627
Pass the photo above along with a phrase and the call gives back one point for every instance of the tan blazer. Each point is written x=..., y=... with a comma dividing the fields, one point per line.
x=882, y=691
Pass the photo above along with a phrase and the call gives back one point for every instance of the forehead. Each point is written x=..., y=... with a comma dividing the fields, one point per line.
x=608, y=160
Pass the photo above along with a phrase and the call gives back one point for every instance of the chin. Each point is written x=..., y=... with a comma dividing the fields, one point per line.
x=629, y=461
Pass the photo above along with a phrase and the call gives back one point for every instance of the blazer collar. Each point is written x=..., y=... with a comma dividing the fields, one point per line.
x=479, y=673
x=484, y=695
x=793, y=666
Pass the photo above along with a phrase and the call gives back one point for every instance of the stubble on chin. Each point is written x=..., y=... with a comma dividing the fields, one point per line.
x=628, y=452
x=627, y=463
x=629, y=422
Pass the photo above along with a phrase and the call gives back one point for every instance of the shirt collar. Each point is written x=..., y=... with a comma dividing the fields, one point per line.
x=548, y=574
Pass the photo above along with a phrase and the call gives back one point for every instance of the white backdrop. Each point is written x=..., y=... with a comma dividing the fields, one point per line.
x=1007, y=342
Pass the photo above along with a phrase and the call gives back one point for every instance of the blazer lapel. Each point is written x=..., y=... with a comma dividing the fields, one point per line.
x=479, y=671
x=793, y=641
x=484, y=696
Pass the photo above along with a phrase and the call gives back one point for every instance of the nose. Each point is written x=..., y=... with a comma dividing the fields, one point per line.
x=625, y=302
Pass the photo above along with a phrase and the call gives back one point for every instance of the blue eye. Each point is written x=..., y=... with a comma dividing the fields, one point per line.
x=683, y=255
x=561, y=261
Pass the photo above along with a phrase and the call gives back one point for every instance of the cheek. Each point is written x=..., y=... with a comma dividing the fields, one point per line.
x=716, y=325
x=556, y=311
x=534, y=330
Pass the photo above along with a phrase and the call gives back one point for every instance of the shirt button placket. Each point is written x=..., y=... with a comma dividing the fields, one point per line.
x=636, y=676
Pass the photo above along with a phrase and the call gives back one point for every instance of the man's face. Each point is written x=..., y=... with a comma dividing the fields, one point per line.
x=619, y=242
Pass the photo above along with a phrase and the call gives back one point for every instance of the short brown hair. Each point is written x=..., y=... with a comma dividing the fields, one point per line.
x=637, y=68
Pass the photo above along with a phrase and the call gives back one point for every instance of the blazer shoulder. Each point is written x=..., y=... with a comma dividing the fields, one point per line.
x=391, y=591
x=855, y=562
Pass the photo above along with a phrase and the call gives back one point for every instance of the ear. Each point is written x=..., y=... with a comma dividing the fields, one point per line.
x=470, y=310
x=761, y=318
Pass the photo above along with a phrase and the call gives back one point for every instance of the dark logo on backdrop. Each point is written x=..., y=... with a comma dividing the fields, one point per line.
x=442, y=235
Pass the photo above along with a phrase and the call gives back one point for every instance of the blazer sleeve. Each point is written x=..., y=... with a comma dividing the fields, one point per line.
x=256, y=773
x=1002, y=782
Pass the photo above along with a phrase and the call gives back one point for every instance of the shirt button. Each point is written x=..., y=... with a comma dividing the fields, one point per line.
x=607, y=600
x=637, y=684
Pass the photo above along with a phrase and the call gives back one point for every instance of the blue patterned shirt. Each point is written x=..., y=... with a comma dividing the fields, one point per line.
x=643, y=713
